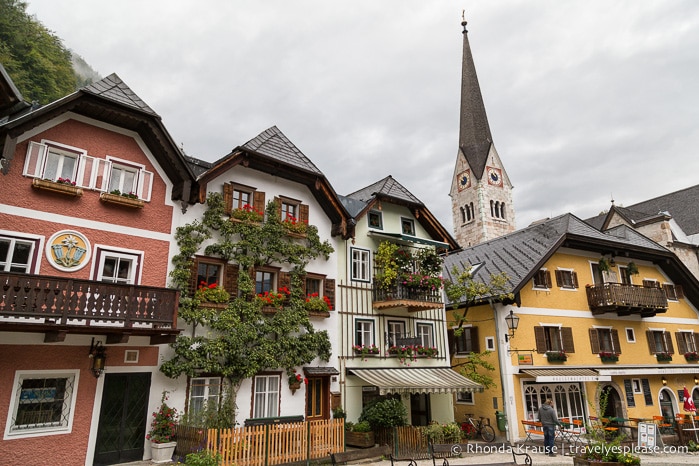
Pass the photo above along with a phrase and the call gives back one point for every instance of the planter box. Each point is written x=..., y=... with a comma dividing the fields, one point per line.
x=609, y=358
x=359, y=439
x=61, y=188
x=162, y=452
x=118, y=199
x=664, y=357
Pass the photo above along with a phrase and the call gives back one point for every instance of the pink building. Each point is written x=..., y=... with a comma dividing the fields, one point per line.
x=88, y=188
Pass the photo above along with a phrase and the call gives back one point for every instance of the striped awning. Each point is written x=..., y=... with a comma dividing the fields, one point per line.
x=417, y=380
x=566, y=375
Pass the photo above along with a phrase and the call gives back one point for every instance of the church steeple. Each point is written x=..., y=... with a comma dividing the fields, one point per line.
x=481, y=191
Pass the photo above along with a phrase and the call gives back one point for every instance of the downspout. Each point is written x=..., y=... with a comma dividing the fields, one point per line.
x=503, y=354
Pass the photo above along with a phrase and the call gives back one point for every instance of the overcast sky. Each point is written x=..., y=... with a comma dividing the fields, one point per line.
x=587, y=100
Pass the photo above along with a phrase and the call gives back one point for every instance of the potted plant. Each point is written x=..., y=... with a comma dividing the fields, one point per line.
x=295, y=382
x=603, y=265
x=691, y=356
x=294, y=226
x=318, y=304
x=446, y=434
x=359, y=435
x=556, y=356
x=403, y=352
x=427, y=351
x=607, y=356
x=663, y=357
x=274, y=299
x=631, y=268
x=162, y=432
x=247, y=213
x=211, y=293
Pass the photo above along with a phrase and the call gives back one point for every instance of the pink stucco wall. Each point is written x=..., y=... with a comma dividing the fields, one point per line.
x=67, y=449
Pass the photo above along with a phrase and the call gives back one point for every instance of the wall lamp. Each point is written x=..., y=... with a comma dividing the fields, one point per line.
x=664, y=381
x=696, y=380
x=512, y=322
x=98, y=355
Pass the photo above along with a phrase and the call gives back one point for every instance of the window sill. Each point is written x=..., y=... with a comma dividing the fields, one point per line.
x=61, y=188
x=120, y=200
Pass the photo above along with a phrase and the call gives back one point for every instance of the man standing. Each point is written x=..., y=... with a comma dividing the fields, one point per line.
x=549, y=421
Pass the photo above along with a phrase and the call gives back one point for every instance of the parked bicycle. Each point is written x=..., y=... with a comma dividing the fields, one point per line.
x=482, y=427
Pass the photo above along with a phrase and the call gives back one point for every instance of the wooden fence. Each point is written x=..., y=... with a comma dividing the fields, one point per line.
x=268, y=445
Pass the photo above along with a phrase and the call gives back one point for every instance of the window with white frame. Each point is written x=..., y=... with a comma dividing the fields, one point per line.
x=604, y=340
x=204, y=392
x=118, y=267
x=364, y=332
x=542, y=279
x=636, y=384
x=687, y=341
x=42, y=403
x=566, y=279
x=464, y=397
x=630, y=335
x=672, y=292
x=17, y=254
x=407, y=226
x=123, y=178
x=466, y=340
x=425, y=332
x=660, y=341
x=490, y=343
x=360, y=264
x=266, y=396
x=396, y=330
x=127, y=178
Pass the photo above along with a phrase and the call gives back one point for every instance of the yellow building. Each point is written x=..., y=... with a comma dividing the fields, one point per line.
x=609, y=311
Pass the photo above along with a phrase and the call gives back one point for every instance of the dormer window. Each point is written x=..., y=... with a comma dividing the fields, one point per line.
x=375, y=220
x=407, y=226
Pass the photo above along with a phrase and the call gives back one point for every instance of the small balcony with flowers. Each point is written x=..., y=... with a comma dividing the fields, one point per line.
x=407, y=278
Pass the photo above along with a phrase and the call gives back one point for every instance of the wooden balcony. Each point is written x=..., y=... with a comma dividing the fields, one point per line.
x=412, y=298
x=57, y=306
x=626, y=299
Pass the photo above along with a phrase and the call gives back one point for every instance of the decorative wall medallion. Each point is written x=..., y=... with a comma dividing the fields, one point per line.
x=68, y=251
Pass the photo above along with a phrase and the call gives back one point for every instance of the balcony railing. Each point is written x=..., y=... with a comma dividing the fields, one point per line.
x=626, y=299
x=414, y=298
x=42, y=303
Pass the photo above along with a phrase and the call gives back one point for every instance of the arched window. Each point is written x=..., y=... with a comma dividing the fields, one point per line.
x=468, y=213
x=463, y=215
x=502, y=210
x=492, y=208
x=473, y=212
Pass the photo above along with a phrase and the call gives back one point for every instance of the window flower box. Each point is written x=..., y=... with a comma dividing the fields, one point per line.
x=294, y=227
x=691, y=356
x=65, y=187
x=426, y=351
x=361, y=350
x=247, y=214
x=663, y=357
x=556, y=356
x=318, y=305
x=608, y=357
x=122, y=200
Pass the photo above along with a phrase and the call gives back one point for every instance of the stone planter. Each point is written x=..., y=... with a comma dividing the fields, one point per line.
x=61, y=188
x=359, y=439
x=162, y=452
x=120, y=200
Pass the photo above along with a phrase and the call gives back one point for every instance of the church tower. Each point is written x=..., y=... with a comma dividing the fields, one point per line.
x=481, y=192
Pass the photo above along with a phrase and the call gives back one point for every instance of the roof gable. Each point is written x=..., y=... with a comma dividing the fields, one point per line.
x=113, y=88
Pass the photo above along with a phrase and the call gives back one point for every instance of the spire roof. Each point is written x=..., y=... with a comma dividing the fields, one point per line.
x=474, y=132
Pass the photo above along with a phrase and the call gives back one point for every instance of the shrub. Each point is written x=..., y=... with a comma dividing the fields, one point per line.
x=203, y=458
x=385, y=412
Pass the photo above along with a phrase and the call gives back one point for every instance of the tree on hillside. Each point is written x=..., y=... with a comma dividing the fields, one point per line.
x=463, y=291
x=35, y=58
x=243, y=340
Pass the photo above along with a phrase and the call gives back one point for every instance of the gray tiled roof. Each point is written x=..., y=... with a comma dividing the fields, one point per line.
x=274, y=144
x=523, y=252
x=353, y=206
x=682, y=205
x=388, y=187
x=113, y=88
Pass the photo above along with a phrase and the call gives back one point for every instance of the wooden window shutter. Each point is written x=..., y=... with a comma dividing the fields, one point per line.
x=567, y=339
x=193, y=272
x=230, y=279
x=559, y=278
x=680, y=291
x=574, y=277
x=303, y=213
x=278, y=202
x=451, y=341
x=227, y=197
x=475, y=341
x=615, y=341
x=651, y=341
x=668, y=343
x=284, y=280
x=258, y=201
x=329, y=290
x=681, y=344
x=540, y=337
x=547, y=278
x=696, y=341
x=594, y=340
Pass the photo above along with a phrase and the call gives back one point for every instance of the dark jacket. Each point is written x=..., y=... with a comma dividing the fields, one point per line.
x=547, y=416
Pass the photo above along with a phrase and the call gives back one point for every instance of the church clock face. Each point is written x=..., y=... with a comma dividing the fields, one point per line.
x=463, y=180
x=494, y=176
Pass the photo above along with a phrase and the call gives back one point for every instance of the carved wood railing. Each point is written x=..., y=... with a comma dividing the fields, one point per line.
x=64, y=301
x=626, y=299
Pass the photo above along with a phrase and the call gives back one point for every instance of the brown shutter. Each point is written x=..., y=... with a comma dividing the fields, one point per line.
x=559, y=278
x=227, y=197
x=284, y=280
x=540, y=337
x=681, y=344
x=594, y=340
x=574, y=276
x=329, y=290
x=303, y=213
x=651, y=341
x=279, y=208
x=451, y=341
x=696, y=341
x=303, y=286
x=193, y=278
x=258, y=201
x=668, y=343
x=230, y=279
x=547, y=279
x=567, y=339
x=475, y=341
x=680, y=291
x=615, y=341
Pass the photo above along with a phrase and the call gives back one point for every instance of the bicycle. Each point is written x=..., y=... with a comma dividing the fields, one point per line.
x=482, y=427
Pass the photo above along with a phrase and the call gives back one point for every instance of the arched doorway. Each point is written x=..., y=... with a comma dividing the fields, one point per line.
x=667, y=405
x=614, y=407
